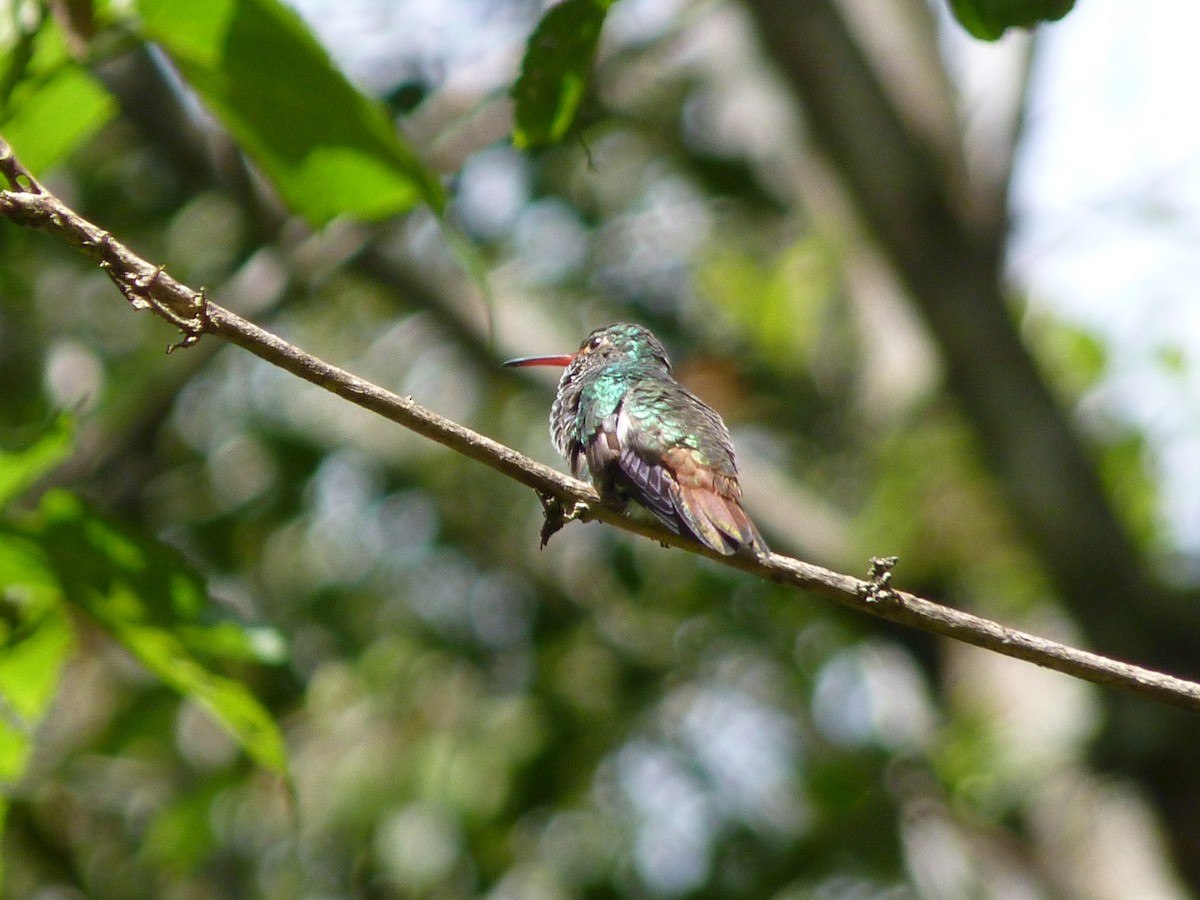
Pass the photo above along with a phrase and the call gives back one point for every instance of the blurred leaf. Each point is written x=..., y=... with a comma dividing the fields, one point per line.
x=165, y=655
x=21, y=468
x=235, y=643
x=142, y=591
x=35, y=645
x=1133, y=491
x=28, y=583
x=989, y=19
x=555, y=71
x=31, y=666
x=780, y=305
x=1073, y=358
x=327, y=148
x=947, y=515
x=181, y=834
x=49, y=104
x=1173, y=358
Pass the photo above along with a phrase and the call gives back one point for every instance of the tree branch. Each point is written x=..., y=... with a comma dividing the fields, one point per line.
x=148, y=287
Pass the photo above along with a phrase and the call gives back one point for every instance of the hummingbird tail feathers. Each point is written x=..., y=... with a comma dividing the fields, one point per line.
x=718, y=521
x=708, y=503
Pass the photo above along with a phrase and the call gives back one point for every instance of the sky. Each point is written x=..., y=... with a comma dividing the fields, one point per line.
x=1106, y=203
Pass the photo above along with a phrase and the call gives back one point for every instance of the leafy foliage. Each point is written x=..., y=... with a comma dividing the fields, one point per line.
x=146, y=596
x=467, y=715
x=20, y=469
x=556, y=71
x=49, y=104
x=989, y=19
x=328, y=149
x=35, y=629
x=65, y=558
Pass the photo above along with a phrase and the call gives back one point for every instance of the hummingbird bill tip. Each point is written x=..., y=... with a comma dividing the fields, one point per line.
x=561, y=361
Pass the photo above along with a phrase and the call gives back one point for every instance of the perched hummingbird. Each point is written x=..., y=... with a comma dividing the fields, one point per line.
x=620, y=417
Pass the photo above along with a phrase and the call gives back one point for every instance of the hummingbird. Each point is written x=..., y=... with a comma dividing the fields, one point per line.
x=620, y=418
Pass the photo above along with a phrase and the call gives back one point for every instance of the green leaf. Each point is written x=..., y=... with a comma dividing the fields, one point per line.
x=30, y=668
x=38, y=640
x=35, y=641
x=328, y=149
x=1073, y=358
x=49, y=104
x=28, y=583
x=556, y=70
x=1134, y=493
x=145, y=595
x=989, y=19
x=779, y=304
x=234, y=643
x=165, y=655
x=21, y=468
x=180, y=835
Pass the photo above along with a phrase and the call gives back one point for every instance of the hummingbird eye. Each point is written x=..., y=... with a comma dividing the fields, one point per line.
x=595, y=342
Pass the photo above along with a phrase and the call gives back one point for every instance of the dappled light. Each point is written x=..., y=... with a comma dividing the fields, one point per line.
x=257, y=640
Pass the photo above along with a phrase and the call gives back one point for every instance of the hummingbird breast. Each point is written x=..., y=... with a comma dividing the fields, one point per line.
x=566, y=419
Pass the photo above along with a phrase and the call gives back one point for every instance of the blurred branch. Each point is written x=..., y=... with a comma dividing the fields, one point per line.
x=949, y=255
x=148, y=287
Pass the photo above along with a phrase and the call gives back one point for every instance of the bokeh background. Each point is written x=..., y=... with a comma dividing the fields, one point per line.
x=942, y=291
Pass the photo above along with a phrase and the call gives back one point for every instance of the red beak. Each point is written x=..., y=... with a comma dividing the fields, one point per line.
x=564, y=360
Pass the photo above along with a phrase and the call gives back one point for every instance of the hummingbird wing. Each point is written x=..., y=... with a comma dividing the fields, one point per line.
x=615, y=467
x=671, y=452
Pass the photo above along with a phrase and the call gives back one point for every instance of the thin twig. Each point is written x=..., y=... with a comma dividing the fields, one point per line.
x=146, y=286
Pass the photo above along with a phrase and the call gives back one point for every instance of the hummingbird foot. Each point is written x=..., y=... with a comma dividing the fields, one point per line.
x=558, y=515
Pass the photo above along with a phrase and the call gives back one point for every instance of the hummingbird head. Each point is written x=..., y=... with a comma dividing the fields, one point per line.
x=624, y=346
x=616, y=344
